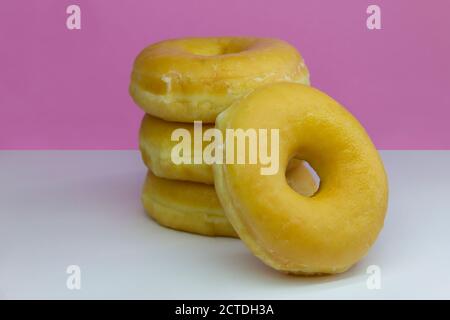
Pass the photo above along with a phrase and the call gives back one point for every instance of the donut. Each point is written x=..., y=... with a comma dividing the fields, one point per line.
x=334, y=228
x=156, y=146
x=185, y=206
x=196, y=78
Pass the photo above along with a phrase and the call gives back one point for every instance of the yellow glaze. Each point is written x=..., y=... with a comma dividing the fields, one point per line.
x=196, y=78
x=325, y=233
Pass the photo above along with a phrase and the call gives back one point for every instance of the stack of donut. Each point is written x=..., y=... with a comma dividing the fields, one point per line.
x=285, y=219
x=177, y=82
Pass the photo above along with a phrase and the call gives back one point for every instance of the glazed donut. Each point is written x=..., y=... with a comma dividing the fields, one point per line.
x=325, y=233
x=197, y=78
x=156, y=145
x=185, y=206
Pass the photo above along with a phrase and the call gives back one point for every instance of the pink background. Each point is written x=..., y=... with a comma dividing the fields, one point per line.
x=62, y=89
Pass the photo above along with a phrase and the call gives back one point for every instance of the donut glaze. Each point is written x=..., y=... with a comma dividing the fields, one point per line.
x=196, y=78
x=325, y=233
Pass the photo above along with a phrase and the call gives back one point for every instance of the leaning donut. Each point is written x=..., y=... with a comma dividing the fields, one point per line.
x=197, y=78
x=325, y=233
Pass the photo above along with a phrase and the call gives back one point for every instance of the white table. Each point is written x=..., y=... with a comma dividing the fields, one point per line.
x=61, y=208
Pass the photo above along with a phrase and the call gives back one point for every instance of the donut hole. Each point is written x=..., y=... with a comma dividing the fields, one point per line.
x=215, y=48
x=302, y=177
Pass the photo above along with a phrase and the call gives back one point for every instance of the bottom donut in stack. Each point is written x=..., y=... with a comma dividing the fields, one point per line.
x=185, y=206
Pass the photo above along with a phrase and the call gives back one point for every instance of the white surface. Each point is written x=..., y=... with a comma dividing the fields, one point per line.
x=59, y=208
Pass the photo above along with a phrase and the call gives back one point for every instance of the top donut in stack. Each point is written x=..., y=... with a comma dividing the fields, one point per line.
x=191, y=79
